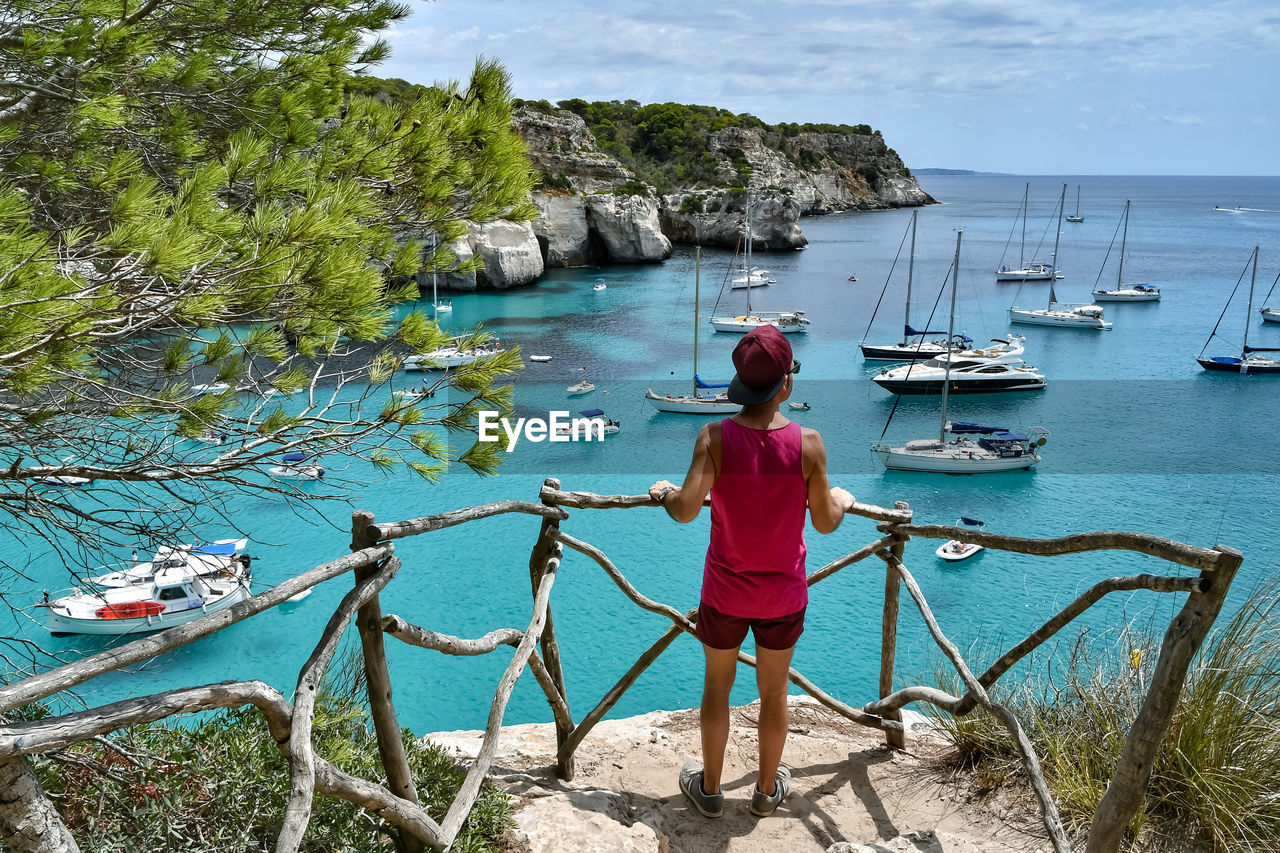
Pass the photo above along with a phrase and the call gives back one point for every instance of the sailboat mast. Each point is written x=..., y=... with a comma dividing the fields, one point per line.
x=1022, y=247
x=1078, y=200
x=747, y=262
x=1124, y=238
x=951, y=327
x=1053, y=275
x=1248, y=314
x=911, y=265
x=435, y=302
x=697, y=274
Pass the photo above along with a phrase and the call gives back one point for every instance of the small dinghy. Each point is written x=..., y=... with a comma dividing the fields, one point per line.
x=800, y=407
x=542, y=359
x=954, y=550
x=296, y=466
x=583, y=387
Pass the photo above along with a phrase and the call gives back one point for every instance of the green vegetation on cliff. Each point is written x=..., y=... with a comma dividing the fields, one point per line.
x=668, y=145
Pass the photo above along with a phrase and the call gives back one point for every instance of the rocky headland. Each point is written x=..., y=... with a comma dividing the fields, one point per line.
x=593, y=209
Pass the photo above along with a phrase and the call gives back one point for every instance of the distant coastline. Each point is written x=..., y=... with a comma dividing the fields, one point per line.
x=934, y=172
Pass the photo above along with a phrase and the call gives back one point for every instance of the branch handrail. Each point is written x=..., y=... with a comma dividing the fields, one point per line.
x=1191, y=556
x=374, y=563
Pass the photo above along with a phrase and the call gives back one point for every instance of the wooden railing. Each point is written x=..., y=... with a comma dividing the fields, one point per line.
x=373, y=564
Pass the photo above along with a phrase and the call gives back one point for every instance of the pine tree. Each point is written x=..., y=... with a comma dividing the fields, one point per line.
x=189, y=194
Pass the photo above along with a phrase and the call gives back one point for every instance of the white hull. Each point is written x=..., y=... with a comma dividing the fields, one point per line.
x=950, y=459
x=541, y=359
x=684, y=404
x=190, y=558
x=954, y=550
x=1126, y=295
x=296, y=472
x=1270, y=315
x=1035, y=272
x=787, y=322
x=1047, y=317
x=62, y=623
x=738, y=284
x=447, y=357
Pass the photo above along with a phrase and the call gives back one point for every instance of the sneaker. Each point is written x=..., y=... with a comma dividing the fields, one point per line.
x=762, y=805
x=711, y=805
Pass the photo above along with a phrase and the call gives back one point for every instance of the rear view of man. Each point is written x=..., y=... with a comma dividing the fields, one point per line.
x=762, y=472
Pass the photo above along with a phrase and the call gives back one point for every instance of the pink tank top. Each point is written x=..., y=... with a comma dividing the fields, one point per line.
x=755, y=563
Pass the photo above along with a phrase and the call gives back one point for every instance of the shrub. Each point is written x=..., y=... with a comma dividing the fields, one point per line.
x=1217, y=773
x=223, y=784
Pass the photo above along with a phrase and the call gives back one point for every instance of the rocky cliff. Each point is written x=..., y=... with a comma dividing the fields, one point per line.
x=594, y=209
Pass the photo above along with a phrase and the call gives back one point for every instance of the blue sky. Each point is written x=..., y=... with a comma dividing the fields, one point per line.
x=1038, y=87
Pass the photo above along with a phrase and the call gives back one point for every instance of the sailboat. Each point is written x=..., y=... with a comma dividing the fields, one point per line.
x=1134, y=292
x=1025, y=271
x=996, y=448
x=1076, y=315
x=1271, y=315
x=695, y=403
x=787, y=322
x=439, y=307
x=910, y=350
x=1076, y=217
x=1247, y=362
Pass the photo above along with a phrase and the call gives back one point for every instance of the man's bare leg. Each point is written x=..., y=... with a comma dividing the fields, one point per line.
x=771, y=679
x=722, y=666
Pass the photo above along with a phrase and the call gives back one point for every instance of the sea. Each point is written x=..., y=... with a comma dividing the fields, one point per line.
x=1140, y=438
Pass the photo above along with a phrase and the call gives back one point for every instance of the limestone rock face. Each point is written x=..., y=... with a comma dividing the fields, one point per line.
x=508, y=250
x=562, y=229
x=597, y=820
x=919, y=841
x=593, y=210
x=510, y=254
x=628, y=227
x=716, y=218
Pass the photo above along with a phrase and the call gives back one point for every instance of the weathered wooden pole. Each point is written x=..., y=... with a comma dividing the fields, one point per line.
x=28, y=821
x=542, y=550
x=1125, y=793
x=378, y=683
x=895, y=738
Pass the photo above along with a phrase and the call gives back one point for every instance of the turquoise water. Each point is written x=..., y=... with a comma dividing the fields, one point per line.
x=1141, y=439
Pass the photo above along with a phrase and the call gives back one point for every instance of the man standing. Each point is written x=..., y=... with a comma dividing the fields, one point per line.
x=761, y=471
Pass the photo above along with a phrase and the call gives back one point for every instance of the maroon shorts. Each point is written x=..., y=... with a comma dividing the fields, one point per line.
x=722, y=631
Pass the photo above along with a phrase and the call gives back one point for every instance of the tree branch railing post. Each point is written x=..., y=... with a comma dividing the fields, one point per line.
x=895, y=738
x=378, y=682
x=542, y=549
x=1185, y=635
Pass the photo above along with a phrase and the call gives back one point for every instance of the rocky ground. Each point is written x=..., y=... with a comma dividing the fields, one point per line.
x=850, y=794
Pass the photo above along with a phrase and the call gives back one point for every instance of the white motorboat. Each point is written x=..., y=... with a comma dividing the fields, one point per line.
x=210, y=436
x=961, y=375
x=800, y=407
x=296, y=466
x=599, y=286
x=1072, y=315
x=596, y=421
x=696, y=403
x=211, y=388
x=995, y=448
x=451, y=356
x=541, y=359
x=414, y=393
x=1247, y=363
x=583, y=387
x=1024, y=270
x=787, y=322
x=914, y=345
x=208, y=559
x=63, y=481
x=174, y=596
x=953, y=550
x=1122, y=292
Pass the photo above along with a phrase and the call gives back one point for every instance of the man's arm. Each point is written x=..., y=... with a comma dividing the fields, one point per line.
x=683, y=503
x=826, y=505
